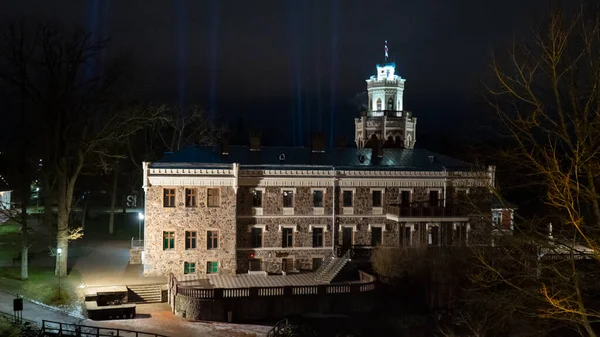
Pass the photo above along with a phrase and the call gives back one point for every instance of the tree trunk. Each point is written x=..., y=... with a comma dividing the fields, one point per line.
x=24, y=231
x=62, y=233
x=48, y=217
x=85, y=210
x=113, y=201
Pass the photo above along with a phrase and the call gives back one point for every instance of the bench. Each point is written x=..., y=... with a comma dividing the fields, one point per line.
x=30, y=257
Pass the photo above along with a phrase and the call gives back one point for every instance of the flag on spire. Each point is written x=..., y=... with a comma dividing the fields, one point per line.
x=386, y=51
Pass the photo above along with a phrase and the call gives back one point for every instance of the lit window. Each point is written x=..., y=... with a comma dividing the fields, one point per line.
x=379, y=105
x=212, y=197
x=189, y=267
x=212, y=240
x=212, y=267
x=390, y=104
x=168, y=240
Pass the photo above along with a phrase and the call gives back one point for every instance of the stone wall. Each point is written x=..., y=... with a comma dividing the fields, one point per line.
x=180, y=219
x=259, y=308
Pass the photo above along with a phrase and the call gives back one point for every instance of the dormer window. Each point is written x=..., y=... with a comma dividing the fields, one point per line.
x=379, y=104
x=390, y=104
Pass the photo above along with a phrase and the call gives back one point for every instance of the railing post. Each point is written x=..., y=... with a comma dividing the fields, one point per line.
x=287, y=290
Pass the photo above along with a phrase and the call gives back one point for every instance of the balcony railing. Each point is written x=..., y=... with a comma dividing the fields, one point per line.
x=426, y=209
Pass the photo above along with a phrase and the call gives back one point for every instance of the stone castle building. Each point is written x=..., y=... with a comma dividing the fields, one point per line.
x=258, y=209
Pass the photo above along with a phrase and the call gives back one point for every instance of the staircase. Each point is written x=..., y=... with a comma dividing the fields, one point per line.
x=331, y=267
x=145, y=293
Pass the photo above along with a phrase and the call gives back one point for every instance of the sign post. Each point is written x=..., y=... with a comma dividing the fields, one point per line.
x=18, y=309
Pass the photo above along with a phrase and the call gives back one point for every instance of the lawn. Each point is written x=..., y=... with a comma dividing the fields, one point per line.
x=10, y=241
x=42, y=286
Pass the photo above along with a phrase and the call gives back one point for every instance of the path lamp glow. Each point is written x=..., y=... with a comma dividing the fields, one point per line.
x=58, y=251
x=140, y=218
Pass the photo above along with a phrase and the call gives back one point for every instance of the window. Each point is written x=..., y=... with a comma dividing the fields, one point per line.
x=169, y=197
x=212, y=267
x=190, y=240
x=212, y=240
x=317, y=198
x=376, y=236
x=212, y=197
x=390, y=104
x=405, y=198
x=497, y=218
x=288, y=199
x=407, y=236
x=316, y=263
x=434, y=235
x=379, y=105
x=347, y=198
x=189, y=267
x=287, y=237
x=191, y=197
x=168, y=240
x=257, y=237
x=257, y=198
x=434, y=198
x=377, y=198
x=317, y=237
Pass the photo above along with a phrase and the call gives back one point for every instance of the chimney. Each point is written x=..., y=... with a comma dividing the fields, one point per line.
x=225, y=144
x=255, y=141
x=317, y=144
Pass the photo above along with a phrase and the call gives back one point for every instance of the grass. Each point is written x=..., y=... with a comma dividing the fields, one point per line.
x=42, y=286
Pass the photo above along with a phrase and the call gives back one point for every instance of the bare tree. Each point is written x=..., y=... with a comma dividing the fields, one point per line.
x=546, y=91
x=81, y=111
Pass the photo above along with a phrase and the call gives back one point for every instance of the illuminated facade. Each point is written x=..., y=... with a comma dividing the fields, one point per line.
x=386, y=120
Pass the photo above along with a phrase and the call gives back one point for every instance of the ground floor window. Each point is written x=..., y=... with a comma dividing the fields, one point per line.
x=376, y=236
x=254, y=265
x=212, y=267
x=316, y=263
x=189, y=267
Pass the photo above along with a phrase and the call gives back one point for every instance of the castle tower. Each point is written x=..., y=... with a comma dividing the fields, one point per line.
x=385, y=119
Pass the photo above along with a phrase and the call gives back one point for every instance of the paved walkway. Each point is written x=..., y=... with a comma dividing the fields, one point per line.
x=151, y=318
x=107, y=263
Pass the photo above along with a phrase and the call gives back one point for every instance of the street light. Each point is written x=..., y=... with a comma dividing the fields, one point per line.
x=140, y=218
x=58, y=251
x=37, y=200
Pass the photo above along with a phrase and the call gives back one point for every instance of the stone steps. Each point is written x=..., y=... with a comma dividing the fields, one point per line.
x=148, y=293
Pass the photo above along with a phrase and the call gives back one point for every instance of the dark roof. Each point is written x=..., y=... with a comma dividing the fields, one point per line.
x=499, y=202
x=302, y=157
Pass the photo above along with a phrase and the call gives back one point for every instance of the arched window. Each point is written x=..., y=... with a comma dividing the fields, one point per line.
x=390, y=104
x=379, y=107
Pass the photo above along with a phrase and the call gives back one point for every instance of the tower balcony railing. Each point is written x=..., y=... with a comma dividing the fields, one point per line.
x=426, y=209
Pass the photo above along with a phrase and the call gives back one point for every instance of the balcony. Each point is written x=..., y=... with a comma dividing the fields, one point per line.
x=422, y=211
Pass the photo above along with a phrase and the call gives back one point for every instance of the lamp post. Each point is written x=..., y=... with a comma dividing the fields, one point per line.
x=140, y=218
x=58, y=251
x=37, y=200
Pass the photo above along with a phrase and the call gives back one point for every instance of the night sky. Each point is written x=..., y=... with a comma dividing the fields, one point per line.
x=283, y=67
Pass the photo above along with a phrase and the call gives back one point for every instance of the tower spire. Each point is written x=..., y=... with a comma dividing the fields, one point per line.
x=386, y=51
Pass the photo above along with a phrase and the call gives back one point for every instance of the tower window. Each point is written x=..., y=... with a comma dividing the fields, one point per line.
x=390, y=104
x=379, y=104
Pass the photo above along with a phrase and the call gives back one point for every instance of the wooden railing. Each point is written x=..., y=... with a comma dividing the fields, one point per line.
x=258, y=292
x=426, y=209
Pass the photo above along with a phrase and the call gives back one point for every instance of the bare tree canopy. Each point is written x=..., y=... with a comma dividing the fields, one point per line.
x=78, y=106
x=546, y=92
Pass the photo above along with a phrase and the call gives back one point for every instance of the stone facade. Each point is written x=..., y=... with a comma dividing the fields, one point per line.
x=181, y=219
x=358, y=223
